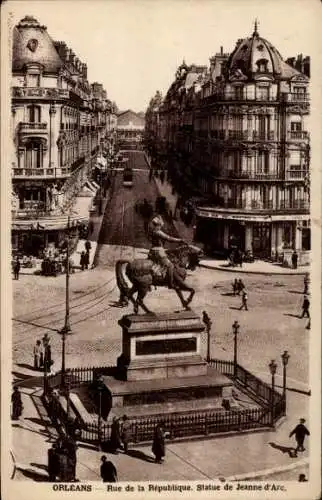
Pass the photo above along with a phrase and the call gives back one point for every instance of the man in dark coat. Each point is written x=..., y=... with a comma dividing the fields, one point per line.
x=305, y=307
x=71, y=447
x=158, y=445
x=108, y=471
x=295, y=258
x=82, y=260
x=16, y=404
x=126, y=433
x=300, y=432
x=244, y=301
x=88, y=246
x=53, y=464
x=16, y=268
x=115, y=441
x=86, y=260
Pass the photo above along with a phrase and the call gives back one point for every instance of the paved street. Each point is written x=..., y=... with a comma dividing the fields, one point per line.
x=269, y=327
x=123, y=227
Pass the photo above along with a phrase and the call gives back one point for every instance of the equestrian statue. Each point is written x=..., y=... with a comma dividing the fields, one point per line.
x=161, y=268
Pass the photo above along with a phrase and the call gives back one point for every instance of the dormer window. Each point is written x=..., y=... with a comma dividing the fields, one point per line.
x=262, y=65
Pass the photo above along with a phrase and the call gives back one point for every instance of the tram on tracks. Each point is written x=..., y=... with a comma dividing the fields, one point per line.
x=128, y=177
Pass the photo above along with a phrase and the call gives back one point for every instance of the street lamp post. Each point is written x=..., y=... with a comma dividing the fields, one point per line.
x=68, y=397
x=66, y=328
x=208, y=323
x=272, y=367
x=285, y=357
x=236, y=327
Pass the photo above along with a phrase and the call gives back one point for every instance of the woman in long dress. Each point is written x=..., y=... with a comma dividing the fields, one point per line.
x=158, y=445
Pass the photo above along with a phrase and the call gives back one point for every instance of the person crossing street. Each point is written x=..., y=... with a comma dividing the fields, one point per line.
x=244, y=304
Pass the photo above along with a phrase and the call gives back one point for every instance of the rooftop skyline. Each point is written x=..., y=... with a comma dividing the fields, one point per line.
x=134, y=48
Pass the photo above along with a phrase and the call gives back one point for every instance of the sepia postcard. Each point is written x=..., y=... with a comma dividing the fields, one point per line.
x=161, y=249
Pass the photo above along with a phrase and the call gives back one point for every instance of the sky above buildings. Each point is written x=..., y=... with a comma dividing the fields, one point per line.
x=134, y=47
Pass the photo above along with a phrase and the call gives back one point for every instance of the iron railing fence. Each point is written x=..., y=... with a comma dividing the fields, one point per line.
x=183, y=424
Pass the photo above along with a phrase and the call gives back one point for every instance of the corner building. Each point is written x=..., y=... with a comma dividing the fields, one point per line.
x=59, y=125
x=242, y=141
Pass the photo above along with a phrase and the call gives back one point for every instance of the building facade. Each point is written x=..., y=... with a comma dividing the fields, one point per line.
x=237, y=140
x=130, y=130
x=59, y=125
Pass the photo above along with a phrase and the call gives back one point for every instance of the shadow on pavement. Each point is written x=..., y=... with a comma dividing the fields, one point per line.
x=295, y=291
x=140, y=455
x=40, y=466
x=229, y=294
x=31, y=474
x=35, y=420
x=30, y=367
x=234, y=308
x=293, y=315
x=285, y=449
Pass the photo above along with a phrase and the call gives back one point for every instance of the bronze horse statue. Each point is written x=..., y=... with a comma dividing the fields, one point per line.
x=144, y=273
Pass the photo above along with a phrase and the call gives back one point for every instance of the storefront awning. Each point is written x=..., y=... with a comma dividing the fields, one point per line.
x=208, y=213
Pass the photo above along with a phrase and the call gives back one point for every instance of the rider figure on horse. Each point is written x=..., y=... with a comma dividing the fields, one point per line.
x=157, y=252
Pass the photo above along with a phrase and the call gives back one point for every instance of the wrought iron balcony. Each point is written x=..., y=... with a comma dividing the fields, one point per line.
x=232, y=96
x=263, y=136
x=294, y=205
x=33, y=129
x=297, y=134
x=38, y=172
x=296, y=175
x=39, y=92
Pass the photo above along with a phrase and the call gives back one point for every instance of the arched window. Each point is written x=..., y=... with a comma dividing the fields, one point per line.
x=34, y=114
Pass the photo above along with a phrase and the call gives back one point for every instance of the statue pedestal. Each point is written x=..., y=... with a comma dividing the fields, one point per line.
x=163, y=346
x=161, y=366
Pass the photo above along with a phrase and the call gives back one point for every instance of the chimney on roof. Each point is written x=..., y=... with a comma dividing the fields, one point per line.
x=221, y=50
x=291, y=61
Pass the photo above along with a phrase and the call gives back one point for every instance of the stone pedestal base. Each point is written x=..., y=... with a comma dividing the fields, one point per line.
x=128, y=394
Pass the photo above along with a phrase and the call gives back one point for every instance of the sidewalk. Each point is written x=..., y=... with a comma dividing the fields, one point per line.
x=93, y=238
x=264, y=453
x=257, y=267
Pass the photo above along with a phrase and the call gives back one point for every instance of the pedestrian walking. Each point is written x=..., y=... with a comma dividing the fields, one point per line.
x=53, y=463
x=16, y=268
x=88, y=246
x=126, y=433
x=302, y=478
x=235, y=286
x=244, y=301
x=240, y=287
x=71, y=447
x=206, y=320
x=17, y=406
x=306, y=307
x=158, y=445
x=47, y=358
x=115, y=440
x=38, y=354
x=86, y=260
x=82, y=261
x=300, y=431
x=295, y=258
x=306, y=283
x=108, y=471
